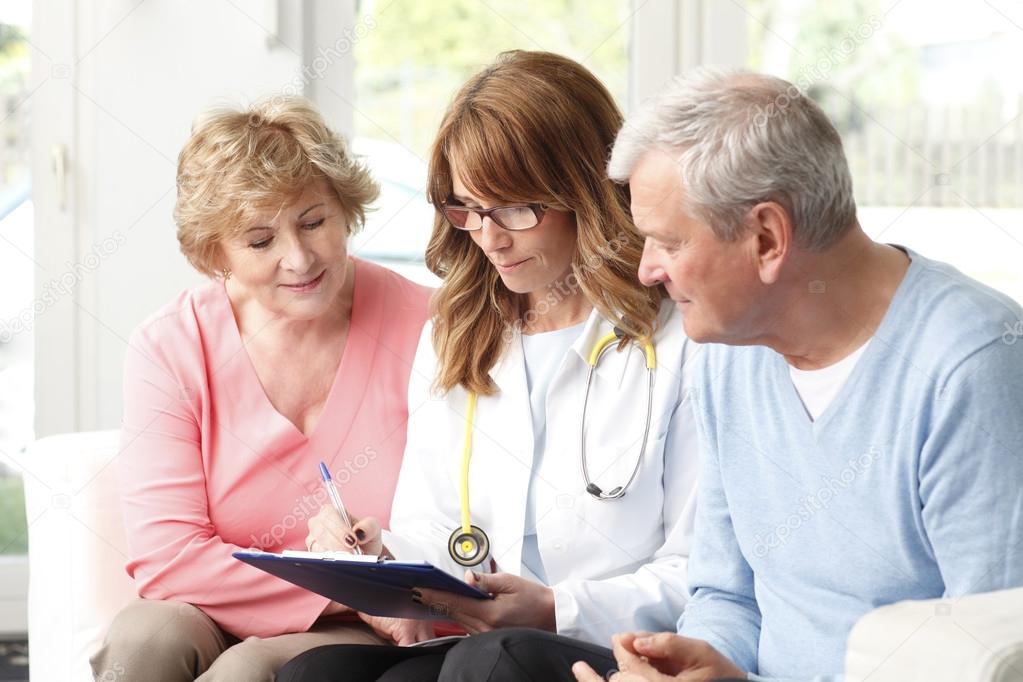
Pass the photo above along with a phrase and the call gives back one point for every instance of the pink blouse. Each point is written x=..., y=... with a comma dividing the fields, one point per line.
x=208, y=466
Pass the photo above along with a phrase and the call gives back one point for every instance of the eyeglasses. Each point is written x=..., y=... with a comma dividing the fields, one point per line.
x=519, y=217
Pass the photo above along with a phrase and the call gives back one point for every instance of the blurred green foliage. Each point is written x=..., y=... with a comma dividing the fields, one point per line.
x=11, y=38
x=845, y=60
x=414, y=54
x=13, y=525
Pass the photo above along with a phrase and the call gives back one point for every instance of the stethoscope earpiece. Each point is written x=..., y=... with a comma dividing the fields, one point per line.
x=594, y=490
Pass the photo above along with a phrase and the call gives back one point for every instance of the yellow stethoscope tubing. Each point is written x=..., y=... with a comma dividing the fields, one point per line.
x=470, y=414
x=607, y=339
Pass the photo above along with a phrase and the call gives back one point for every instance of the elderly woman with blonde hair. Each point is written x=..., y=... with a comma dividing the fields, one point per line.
x=296, y=352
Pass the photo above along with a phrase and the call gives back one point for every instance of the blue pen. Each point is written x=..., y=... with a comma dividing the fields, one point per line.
x=335, y=497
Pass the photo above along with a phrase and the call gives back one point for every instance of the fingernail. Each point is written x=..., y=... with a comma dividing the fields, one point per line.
x=477, y=576
x=417, y=594
x=417, y=599
x=349, y=540
x=359, y=533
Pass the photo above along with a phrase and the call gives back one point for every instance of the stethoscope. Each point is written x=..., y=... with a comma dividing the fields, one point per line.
x=468, y=544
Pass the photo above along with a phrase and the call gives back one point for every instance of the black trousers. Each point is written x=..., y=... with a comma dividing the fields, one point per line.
x=519, y=654
x=365, y=663
x=510, y=654
x=522, y=654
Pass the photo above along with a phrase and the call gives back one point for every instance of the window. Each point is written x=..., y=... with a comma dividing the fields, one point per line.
x=930, y=113
x=407, y=71
x=16, y=272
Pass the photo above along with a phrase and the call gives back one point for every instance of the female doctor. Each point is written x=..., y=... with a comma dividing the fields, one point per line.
x=568, y=496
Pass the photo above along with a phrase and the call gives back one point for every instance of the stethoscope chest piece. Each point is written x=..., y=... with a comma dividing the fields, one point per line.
x=469, y=549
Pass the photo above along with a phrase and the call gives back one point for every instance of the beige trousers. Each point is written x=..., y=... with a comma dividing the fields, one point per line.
x=166, y=641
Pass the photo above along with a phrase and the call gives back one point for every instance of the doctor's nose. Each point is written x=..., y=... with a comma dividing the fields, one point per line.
x=493, y=237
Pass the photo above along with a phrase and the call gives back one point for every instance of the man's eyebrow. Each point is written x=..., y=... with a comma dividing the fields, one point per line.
x=658, y=235
x=643, y=230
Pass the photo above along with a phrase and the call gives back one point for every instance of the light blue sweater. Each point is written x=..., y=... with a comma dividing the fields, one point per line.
x=908, y=486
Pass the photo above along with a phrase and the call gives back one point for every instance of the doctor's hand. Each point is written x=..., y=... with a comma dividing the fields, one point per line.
x=517, y=602
x=328, y=533
x=401, y=631
x=662, y=657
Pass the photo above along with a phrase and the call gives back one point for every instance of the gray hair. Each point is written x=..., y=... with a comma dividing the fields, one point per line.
x=742, y=138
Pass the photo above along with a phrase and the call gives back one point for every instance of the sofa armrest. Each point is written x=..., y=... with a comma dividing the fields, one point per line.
x=977, y=638
x=77, y=550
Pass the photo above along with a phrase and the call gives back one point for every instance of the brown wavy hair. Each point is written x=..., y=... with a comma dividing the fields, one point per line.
x=532, y=127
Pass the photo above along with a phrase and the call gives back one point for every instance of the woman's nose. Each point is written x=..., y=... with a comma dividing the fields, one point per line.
x=298, y=257
x=493, y=236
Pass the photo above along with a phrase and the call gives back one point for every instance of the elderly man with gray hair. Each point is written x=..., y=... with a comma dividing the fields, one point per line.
x=860, y=411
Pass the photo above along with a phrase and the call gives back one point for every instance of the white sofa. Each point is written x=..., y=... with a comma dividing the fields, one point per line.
x=77, y=584
x=76, y=552
x=973, y=639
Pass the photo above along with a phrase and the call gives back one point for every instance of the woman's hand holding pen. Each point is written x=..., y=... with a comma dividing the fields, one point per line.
x=328, y=533
x=517, y=602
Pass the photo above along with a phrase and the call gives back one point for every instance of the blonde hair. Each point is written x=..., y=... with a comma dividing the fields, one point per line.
x=532, y=127
x=239, y=162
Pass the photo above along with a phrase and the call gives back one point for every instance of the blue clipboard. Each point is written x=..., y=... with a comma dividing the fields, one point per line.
x=377, y=588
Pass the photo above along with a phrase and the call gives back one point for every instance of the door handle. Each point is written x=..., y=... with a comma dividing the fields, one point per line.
x=59, y=154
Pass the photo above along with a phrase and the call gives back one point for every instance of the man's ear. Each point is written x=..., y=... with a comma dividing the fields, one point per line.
x=771, y=230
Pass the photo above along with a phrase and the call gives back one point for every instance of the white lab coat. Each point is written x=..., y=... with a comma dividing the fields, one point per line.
x=614, y=565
